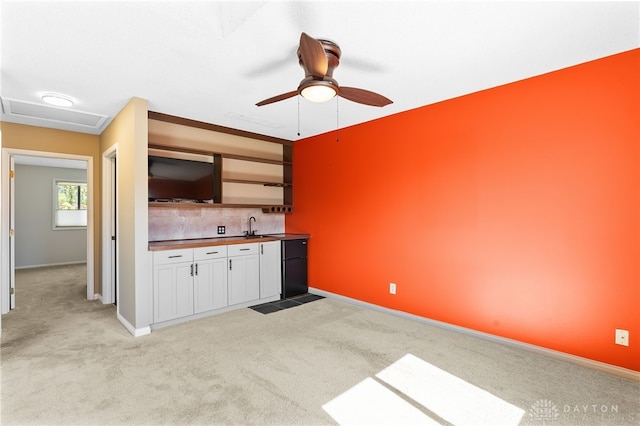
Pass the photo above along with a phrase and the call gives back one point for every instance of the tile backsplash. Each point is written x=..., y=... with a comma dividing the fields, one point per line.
x=166, y=223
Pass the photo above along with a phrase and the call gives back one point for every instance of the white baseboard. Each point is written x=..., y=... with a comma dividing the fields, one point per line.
x=79, y=262
x=136, y=332
x=226, y=309
x=574, y=359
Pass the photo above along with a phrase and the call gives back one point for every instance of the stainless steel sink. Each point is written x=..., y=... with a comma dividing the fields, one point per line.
x=252, y=237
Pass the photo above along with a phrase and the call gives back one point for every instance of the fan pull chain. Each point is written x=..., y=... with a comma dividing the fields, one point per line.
x=298, y=97
x=337, y=121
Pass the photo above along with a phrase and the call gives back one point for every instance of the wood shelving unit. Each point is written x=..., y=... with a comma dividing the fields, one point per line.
x=242, y=176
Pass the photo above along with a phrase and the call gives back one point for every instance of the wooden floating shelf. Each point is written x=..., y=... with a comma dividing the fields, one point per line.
x=266, y=208
x=277, y=209
x=281, y=185
x=254, y=159
x=257, y=182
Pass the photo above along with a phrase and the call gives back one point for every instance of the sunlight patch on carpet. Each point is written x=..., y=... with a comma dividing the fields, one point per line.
x=370, y=403
x=447, y=397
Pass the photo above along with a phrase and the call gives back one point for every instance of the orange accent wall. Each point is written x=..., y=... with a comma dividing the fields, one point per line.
x=513, y=211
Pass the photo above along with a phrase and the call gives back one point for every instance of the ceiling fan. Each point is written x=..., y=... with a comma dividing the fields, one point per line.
x=319, y=58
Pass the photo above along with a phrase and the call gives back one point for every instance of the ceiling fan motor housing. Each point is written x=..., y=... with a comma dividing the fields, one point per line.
x=333, y=52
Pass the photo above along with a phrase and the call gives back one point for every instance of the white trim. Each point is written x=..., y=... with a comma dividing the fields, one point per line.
x=5, y=279
x=5, y=267
x=12, y=239
x=91, y=191
x=107, y=216
x=45, y=265
x=1, y=223
x=574, y=359
x=136, y=332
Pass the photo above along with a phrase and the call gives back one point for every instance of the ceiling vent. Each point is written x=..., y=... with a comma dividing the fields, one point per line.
x=29, y=110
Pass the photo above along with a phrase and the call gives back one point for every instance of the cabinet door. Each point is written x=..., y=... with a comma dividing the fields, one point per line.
x=270, y=269
x=243, y=278
x=210, y=285
x=172, y=291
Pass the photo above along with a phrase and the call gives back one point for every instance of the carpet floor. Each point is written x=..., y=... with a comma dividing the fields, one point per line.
x=66, y=360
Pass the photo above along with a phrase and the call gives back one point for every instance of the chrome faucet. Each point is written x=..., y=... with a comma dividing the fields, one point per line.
x=250, y=232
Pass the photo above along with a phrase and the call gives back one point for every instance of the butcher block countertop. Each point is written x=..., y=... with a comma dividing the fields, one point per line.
x=206, y=242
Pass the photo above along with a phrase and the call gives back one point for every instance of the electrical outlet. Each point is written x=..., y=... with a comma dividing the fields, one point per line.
x=221, y=229
x=392, y=288
x=622, y=337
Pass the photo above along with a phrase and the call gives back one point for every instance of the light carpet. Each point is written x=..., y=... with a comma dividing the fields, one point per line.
x=66, y=360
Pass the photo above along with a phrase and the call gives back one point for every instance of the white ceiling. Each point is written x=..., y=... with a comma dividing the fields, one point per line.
x=66, y=163
x=213, y=60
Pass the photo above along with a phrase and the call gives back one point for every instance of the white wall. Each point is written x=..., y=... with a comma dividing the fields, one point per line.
x=36, y=243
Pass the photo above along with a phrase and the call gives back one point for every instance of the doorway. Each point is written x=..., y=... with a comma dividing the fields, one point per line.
x=8, y=215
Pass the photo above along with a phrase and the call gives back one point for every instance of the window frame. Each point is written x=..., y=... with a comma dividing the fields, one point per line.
x=56, y=183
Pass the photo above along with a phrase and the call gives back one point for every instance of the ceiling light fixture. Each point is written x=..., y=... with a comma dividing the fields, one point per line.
x=58, y=99
x=318, y=91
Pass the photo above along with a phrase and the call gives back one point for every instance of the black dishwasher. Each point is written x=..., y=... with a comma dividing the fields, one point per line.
x=294, y=268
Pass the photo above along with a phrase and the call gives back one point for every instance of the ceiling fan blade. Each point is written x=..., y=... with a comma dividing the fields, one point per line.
x=273, y=66
x=362, y=96
x=278, y=98
x=313, y=56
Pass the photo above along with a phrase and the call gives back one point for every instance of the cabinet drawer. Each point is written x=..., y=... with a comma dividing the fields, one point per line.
x=164, y=257
x=242, y=249
x=212, y=252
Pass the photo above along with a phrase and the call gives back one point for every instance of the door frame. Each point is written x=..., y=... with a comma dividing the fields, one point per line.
x=110, y=290
x=12, y=240
x=7, y=210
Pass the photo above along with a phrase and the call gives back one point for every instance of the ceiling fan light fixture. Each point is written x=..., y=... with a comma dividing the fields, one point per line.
x=57, y=99
x=319, y=58
x=318, y=92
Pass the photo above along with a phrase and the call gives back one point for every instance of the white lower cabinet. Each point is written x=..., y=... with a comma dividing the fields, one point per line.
x=270, y=269
x=210, y=278
x=172, y=284
x=244, y=273
x=194, y=281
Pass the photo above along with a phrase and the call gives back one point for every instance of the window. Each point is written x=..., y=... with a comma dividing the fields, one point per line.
x=70, y=205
